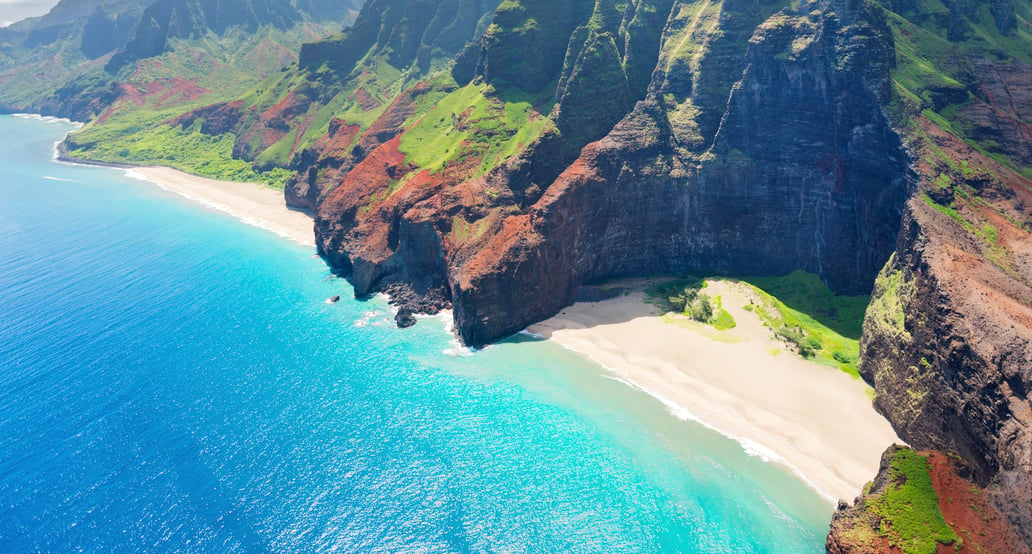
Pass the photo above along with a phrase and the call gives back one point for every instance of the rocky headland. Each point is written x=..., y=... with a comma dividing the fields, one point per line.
x=497, y=157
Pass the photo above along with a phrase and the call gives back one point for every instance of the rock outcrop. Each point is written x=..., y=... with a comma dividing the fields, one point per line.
x=947, y=345
x=947, y=340
x=799, y=169
x=921, y=502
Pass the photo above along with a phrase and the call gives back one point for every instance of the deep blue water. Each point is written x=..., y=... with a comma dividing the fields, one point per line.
x=171, y=380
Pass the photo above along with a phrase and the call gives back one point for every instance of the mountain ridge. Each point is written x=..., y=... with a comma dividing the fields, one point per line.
x=496, y=156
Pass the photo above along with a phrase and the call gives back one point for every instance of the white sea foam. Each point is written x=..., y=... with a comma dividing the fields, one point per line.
x=47, y=118
x=455, y=348
x=63, y=180
x=367, y=318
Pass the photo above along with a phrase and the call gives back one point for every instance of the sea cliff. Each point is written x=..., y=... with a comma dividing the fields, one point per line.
x=496, y=157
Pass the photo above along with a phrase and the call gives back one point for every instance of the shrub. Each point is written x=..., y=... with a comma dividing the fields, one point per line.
x=843, y=357
x=701, y=309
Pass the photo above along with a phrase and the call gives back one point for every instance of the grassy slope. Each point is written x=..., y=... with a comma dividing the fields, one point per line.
x=188, y=150
x=799, y=308
x=905, y=513
x=910, y=507
x=473, y=121
x=929, y=86
x=227, y=67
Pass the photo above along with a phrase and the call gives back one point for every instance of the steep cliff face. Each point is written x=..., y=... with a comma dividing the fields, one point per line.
x=401, y=44
x=779, y=188
x=53, y=63
x=84, y=57
x=675, y=179
x=947, y=339
x=947, y=345
x=164, y=20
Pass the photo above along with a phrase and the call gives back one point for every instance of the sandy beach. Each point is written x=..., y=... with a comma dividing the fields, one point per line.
x=251, y=203
x=817, y=420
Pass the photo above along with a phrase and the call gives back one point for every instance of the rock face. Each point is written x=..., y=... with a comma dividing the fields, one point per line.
x=406, y=31
x=167, y=19
x=404, y=35
x=948, y=348
x=953, y=516
x=78, y=60
x=947, y=340
x=681, y=180
x=946, y=344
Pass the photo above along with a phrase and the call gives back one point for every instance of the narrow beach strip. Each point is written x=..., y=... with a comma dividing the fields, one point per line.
x=815, y=419
x=253, y=204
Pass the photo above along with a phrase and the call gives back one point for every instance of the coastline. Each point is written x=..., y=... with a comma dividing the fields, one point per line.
x=251, y=203
x=816, y=420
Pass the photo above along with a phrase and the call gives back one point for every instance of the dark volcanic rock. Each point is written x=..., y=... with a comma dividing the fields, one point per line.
x=427, y=302
x=404, y=318
x=414, y=30
x=166, y=19
x=947, y=344
x=805, y=172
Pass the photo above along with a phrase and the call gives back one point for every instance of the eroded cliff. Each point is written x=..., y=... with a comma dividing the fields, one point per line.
x=798, y=169
x=947, y=339
x=496, y=156
x=921, y=502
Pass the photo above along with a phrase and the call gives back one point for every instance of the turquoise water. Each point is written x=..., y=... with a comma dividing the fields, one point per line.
x=172, y=380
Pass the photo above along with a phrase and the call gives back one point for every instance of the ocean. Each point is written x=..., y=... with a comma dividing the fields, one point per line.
x=172, y=379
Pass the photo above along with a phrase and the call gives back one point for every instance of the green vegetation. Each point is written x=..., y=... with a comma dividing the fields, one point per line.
x=807, y=294
x=801, y=310
x=909, y=507
x=722, y=319
x=940, y=48
x=683, y=296
x=473, y=123
x=185, y=149
x=798, y=308
x=194, y=73
x=972, y=220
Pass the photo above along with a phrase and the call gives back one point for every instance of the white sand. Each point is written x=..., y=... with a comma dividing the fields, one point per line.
x=251, y=203
x=816, y=419
x=741, y=382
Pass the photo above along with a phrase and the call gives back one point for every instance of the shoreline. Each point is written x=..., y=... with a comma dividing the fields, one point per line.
x=251, y=203
x=832, y=443
x=815, y=420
